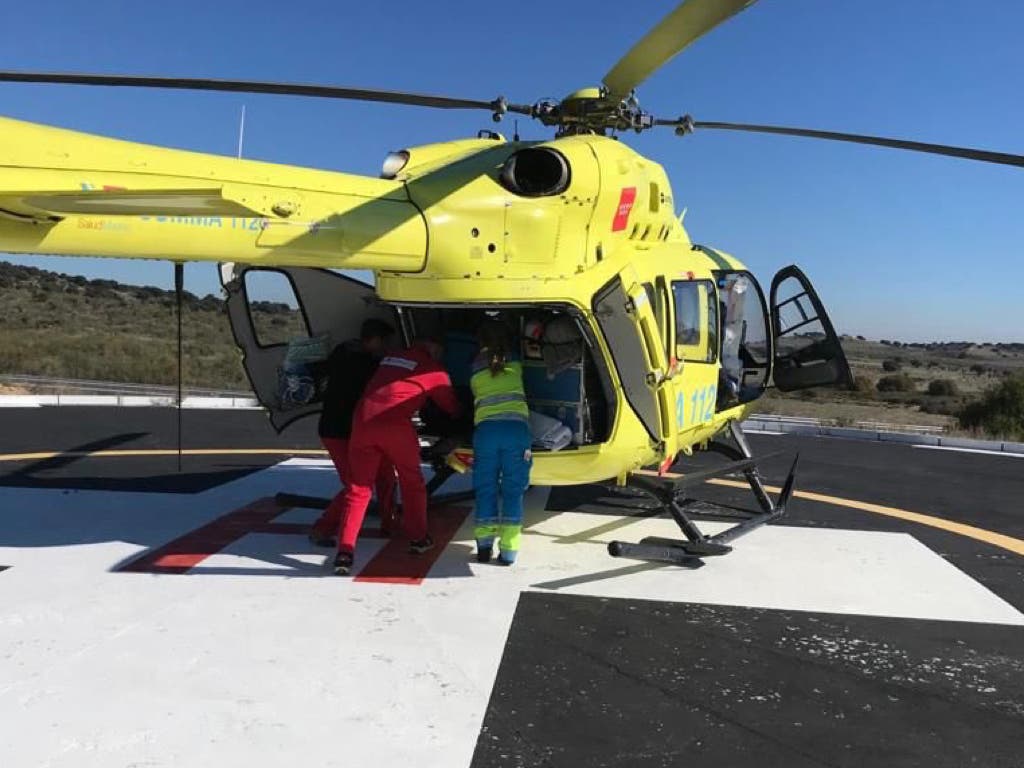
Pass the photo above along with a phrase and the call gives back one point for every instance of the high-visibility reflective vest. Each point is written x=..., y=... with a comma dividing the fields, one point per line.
x=499, y=396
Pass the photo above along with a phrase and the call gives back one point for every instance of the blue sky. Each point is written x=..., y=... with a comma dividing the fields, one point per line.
x=899, y=245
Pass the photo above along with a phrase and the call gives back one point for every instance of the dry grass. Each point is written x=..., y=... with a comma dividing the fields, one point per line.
x=847, y=412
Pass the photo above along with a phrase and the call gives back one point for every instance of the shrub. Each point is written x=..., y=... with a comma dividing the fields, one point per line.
x=942, y=387
x=889, y=366
x=863, y=384
x=978, y=369
x=945, y=406
x=899, y=382
x=1000, y=411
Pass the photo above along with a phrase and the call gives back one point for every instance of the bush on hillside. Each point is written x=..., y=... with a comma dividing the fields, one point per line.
x=942, y=387
x=899, y=382
x=890, y=366
x=1000, y=411
x=864, y=385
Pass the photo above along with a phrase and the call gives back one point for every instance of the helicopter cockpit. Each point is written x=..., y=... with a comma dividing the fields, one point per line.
x=745, y=350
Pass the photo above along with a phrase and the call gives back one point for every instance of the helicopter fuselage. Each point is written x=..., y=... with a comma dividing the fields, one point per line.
x=583, y=224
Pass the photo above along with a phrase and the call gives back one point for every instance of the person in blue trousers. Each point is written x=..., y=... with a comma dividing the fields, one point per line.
x=501, y=445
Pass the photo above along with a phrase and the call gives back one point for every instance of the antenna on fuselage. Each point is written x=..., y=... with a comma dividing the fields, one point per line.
x=241, y=132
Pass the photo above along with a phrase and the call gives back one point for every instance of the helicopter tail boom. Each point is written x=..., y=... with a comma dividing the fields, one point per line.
x=69, y=193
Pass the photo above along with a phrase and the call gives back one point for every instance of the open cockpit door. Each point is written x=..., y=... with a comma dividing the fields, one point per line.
x=270, y=308
x=807, y=350
x=627, y=320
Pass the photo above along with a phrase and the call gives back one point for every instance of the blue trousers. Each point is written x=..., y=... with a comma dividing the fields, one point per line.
x=501, y=468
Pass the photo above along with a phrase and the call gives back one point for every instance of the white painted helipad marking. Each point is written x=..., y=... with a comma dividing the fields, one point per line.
x=301, y=462
x=254, y=658
x=971, y=450
x=785, y=567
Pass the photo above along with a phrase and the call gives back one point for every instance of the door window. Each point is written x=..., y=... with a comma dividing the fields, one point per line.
x=807, y=349
x=268, y=308
x=696, y=308
x=745, y=346
x=273, y=307
x=659, y=305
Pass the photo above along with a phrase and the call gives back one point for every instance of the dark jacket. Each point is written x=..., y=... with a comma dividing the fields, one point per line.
x=349, y=369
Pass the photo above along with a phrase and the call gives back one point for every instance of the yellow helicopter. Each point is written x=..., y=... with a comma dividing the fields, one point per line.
x=639, y=343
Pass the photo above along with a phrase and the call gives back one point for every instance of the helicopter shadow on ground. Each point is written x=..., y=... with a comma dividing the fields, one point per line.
x=624, y=505
x=627, y=505
x=78, y=516
x=270, y=533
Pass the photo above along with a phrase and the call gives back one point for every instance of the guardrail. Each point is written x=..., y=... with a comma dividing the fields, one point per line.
x=126, y=401
x=83, y=386
x=876, y=426
x=817, y=427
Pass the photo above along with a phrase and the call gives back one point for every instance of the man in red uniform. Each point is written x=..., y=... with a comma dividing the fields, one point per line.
x=349, y=369
x=382, y=431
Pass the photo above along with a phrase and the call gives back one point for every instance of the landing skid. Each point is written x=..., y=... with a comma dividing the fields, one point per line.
x=670, y=493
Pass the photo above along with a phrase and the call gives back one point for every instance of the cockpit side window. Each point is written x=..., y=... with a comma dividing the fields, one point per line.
x=659, y=304
x=696, y=310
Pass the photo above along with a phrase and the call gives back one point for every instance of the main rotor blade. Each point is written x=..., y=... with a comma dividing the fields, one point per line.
x=967, y=153
x=249, y=86
x=685, y=24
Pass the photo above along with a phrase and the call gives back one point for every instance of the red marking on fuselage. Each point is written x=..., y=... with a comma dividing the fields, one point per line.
x=626, y=199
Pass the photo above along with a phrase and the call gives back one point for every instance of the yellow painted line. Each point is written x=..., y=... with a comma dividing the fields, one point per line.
x=165, y=452
x=1000, y=540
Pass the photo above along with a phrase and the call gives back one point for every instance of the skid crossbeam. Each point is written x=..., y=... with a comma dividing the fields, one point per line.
x=671, y=494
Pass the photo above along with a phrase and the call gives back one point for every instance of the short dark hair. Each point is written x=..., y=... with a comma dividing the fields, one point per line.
x=374, y=328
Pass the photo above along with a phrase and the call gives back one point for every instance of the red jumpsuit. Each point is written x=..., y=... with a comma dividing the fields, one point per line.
x=382, y=431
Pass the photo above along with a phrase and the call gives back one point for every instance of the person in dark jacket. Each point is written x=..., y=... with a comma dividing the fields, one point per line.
x=382, y=431
x=349, y=369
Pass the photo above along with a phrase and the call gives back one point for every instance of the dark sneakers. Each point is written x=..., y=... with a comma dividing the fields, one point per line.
x=484, y=550
x=421, y=546
x=343, y=564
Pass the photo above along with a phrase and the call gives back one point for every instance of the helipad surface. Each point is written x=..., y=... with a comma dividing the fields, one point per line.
x=127, y=639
